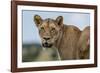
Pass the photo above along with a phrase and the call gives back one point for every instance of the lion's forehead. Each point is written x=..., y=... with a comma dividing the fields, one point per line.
x=49, y=23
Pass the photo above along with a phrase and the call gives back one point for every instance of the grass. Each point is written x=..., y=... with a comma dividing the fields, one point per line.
x=34, y=52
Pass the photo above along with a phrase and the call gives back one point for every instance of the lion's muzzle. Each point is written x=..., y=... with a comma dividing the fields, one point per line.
x=47, y=45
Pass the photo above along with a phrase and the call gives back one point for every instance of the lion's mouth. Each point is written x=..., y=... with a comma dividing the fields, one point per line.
x=47, y=45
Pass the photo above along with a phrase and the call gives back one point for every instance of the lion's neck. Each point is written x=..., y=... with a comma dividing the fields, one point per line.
x=58, y=42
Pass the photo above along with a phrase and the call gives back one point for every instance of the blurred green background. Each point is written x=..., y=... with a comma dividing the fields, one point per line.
x=34, y=52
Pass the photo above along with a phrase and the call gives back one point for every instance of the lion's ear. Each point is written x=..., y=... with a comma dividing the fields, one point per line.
x=59, y=20
x=37, y=20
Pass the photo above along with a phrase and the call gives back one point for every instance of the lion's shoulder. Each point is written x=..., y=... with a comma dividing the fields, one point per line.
x=71, y=28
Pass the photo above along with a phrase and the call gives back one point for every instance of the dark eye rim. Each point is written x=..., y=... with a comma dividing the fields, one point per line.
x=53, y=29
x=42, y=29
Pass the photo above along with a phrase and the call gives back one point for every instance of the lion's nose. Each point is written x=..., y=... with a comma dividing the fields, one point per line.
x=46, y=38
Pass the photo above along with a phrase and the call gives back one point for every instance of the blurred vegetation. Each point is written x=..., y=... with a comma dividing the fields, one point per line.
x=34, y=52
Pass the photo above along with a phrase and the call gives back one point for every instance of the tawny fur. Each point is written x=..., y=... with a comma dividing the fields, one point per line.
x=84, y=43
x=68, y=39
x=67, y=42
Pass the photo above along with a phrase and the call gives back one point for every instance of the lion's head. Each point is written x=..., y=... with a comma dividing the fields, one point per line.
x=49, y=29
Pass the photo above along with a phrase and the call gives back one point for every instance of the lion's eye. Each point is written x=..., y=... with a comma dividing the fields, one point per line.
x=42, y=29
x=53, y=30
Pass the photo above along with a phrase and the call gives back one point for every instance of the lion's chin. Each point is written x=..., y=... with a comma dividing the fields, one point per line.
x=46, y=45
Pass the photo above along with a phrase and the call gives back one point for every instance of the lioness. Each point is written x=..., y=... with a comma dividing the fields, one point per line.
x=84, y=43
x=54, y=33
